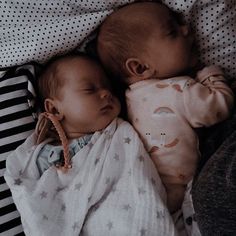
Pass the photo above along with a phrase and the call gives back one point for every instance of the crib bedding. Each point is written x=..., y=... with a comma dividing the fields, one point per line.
x=36, y=30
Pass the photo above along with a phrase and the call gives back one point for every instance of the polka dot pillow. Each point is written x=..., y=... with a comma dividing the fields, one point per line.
x=36, y=30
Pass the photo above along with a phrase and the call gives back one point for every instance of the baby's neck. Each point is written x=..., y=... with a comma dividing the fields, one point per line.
x=188, y=72
x=191, y=71
x=75, y=135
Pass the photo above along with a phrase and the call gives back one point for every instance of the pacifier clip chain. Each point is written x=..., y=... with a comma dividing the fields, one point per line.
x=64, y=141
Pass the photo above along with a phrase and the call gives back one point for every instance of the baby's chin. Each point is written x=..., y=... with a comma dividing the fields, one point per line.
x=104, y=122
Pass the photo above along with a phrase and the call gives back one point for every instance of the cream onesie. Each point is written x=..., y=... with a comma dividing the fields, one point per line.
x=165, y=113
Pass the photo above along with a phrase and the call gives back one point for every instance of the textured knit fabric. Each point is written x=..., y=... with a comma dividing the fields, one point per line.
x=164, y=112
x=214, y=189
x=112, y=189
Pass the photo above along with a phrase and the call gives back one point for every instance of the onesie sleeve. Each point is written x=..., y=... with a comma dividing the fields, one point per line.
x=208, y=99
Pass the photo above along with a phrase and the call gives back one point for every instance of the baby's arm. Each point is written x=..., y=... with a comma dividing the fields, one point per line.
x=208, y=100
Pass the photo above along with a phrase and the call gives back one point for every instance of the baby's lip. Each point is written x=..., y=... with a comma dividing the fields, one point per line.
x=106, y=107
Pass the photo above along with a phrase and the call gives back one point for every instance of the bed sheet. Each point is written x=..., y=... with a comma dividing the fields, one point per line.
x=37, y=30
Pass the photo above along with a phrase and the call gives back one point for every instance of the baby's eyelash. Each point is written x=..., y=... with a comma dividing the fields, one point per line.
x=89, y=90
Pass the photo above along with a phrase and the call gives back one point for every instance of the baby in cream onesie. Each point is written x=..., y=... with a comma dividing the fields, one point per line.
x=153, y=52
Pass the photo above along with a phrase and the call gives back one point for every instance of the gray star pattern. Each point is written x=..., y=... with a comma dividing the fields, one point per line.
x=141, y=158
x=153, y=181
x=59, y=189
x=43, y=194
x=127, y=140
x=116, y=157
x=18, y=181
x=75, y=226
x=45, y=217
x=63, y=207
x=108, y=135
x=110, y=225
x=78, y=186
x=141, y=191
x=143, y=232
x=127, y=207
x=89, y=199
x=160, y=214
x=108, y=180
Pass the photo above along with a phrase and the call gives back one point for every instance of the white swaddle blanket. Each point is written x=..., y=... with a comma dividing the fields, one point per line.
x=112, y=189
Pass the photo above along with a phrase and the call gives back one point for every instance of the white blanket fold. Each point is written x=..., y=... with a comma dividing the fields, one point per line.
x=112, y=189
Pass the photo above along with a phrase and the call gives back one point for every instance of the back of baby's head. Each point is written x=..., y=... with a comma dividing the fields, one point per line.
x=122, y=35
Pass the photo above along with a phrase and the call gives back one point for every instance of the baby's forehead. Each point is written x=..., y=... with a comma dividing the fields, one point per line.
x=81, y=69
x=75, y=62
x=78, y=65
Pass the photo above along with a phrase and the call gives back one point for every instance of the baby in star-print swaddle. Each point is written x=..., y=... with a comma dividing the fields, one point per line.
x=100, y=180
x=151, y=48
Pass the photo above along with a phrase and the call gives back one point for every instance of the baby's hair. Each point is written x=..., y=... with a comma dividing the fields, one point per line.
x=52, y=78
x=117, y=36
x=116, y=40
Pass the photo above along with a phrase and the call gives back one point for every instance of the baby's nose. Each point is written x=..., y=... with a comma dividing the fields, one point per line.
x=105, y=93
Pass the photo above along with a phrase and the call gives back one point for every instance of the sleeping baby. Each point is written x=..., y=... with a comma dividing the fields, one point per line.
x=152, y=51
x=85, y=171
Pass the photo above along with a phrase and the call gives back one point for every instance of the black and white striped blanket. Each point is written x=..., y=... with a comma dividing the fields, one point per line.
x=17, y=121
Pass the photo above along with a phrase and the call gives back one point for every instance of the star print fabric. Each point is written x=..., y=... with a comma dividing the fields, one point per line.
x=112, y=189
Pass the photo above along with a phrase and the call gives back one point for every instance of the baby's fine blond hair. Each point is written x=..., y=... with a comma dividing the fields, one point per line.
x=122, y=35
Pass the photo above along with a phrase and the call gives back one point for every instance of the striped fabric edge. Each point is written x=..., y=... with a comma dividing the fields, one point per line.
x=17, y=121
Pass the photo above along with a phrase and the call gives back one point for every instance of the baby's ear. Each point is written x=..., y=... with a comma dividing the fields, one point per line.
x=50, y=106
x=137, y=69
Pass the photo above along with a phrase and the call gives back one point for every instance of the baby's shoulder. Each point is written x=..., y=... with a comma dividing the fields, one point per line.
x=125, y=129
x=123, y=124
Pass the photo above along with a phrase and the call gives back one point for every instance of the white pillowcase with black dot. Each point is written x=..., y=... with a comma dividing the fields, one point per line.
x=37, y=30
